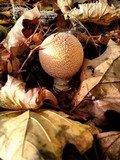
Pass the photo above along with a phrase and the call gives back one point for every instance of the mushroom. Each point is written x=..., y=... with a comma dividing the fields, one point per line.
x=61, y=57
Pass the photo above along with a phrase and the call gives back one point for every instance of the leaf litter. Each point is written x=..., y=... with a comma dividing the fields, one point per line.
x=97, y=99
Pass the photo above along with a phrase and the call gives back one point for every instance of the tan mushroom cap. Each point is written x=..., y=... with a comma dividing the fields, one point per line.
x=62, y=55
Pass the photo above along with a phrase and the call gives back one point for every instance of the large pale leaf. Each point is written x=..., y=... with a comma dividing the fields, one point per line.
x=99, y=12
x=13, y=95
x=100, y=70
x=15, y=41
x=40, y=135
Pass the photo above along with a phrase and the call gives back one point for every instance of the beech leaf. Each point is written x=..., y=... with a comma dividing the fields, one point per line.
x=14, y=96
x=15, y=40
x=40, y=135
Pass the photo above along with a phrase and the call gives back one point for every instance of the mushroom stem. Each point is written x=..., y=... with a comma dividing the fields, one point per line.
x=61, y=85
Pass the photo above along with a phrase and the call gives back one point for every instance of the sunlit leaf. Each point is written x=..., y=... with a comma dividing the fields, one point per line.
x=40, y=135
x=98, y=12
x=13, y=95
x=6, y=13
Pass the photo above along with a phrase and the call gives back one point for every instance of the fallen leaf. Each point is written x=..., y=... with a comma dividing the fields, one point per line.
x=4, y=56
x=3, y=32
x=110, y=145
x=15, y=41
x=6, y=21
x=100, y=85
x=15, y=63
x=18, y=2
x=97, y=109
x=98, y=12
x=13, y=95
x=6, y=13
x=97, y=71
x=40, y=135
x=65, y=5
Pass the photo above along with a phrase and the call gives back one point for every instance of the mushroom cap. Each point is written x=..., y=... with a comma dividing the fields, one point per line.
x=61, y=55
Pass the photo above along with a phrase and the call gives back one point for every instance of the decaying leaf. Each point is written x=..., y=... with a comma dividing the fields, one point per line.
x=40, y=135
x=15, y=40
x=98, y=12
x=98, y=70
x=110, y=145
x=14, y=96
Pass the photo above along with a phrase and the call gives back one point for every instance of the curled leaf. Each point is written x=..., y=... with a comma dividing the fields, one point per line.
x=98, y=12
x=40, y=135
x=14, y=96
x=15, y=38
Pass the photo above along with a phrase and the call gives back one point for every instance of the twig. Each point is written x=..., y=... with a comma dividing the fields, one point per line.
x=31, y=52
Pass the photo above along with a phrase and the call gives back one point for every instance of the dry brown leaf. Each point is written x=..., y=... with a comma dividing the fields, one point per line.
x=98, y=70
x=4, y=56
x=14, y=96
x=8, y=63
x=110, y=145
x=98, y=12
x=100, y=85
x=40, y=135
x=15, y=40
x=18, y=2
x=3, y=32
x=97, y=109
